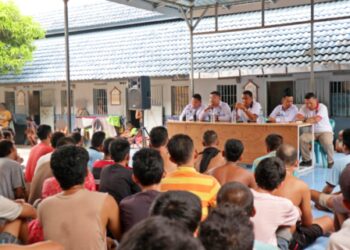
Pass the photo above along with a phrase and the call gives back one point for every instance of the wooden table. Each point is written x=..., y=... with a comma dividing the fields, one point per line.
x=251, y=134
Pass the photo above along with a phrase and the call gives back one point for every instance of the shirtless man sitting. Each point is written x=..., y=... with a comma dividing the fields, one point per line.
x=231, y=171
x=211, y=156
x=298, y=193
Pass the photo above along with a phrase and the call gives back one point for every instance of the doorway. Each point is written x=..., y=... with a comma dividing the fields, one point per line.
x=35, y=106
x=275, y=92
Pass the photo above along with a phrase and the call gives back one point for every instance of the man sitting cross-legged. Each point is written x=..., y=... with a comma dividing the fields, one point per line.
x=272, y=212
x=231, y=171
x=297, y=191
x=340, y=240
x=148, y=171
x=186, y=178
x=77, y=218
x=334, y=202
x=13, y=218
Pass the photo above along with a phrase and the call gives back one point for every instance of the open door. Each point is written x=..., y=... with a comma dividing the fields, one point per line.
x=275, y=92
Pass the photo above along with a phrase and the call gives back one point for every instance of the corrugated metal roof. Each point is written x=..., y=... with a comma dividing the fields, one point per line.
x=97, y=13
x=163, y=49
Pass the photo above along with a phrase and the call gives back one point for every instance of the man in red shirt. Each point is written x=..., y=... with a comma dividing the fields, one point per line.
x=44, y=133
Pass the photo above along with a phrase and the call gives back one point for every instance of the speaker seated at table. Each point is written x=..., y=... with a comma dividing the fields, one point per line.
x=248, y=110
x=192, y=111
x=217, y=110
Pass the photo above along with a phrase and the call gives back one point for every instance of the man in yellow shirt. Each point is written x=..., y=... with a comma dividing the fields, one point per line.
x=5, y=116
x=186, y=178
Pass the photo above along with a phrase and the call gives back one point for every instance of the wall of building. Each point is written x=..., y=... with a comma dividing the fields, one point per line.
x=84, y=91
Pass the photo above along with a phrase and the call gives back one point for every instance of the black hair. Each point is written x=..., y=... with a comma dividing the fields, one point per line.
x=236, y=194
x=69, y=165
x=97, y=139
x=287, y=93
x=227, y=227
x=288, y=154
x=209, y=137
x=197, y=97
x=148, y=166
x=159, y=233
x=55, y=138
x=270, y=173
x=7, y=134
x=233, y=150
x=65, y=141
x=43, y=131
x=217, y=93
x=119, y=149
x=180, y=148
x=6, y=148
x=310, y=95
x=158, y=136
x=180, y=206
x=106, y=144
x=345, y=183
x=346, y=138
x=248, y=93
x=77, y=137
x=273, y=141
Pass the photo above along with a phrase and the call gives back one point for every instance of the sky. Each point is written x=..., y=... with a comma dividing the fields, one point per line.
x=30, y=7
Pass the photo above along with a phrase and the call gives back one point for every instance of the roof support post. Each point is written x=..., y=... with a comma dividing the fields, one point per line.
x=191, y=26
x=312, y=49
x=66, y=36
x=262, y=13
x=191, y=51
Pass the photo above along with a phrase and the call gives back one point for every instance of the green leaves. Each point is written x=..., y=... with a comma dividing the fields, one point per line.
x=17, y=34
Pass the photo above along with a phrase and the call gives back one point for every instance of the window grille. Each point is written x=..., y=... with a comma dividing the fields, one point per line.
x=179, y=99
x=340, y=98
x=100, y=101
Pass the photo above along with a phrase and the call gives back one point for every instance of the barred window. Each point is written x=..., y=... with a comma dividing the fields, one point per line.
x=340, y=98
x=157, y=95
x=100, y=101
x=228, y=93
x=179, y=99
x=10, y=101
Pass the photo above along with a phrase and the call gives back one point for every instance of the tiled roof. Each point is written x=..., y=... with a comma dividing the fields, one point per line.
x=163, y=49
x=94, y=14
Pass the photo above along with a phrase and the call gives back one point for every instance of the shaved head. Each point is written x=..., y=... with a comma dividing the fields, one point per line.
x=288, y=154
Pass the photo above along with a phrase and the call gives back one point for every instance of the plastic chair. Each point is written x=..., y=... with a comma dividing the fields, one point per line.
x=320, y=154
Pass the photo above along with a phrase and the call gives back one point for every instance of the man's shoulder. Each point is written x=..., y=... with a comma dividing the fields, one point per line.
x=7, y=163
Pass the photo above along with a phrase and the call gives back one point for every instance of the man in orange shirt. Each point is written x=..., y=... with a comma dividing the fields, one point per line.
x=186, y=178
x=44, y=147
x=5, y=116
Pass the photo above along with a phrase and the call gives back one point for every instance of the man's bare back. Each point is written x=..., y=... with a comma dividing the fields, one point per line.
x=299, y=194
x=231, y=172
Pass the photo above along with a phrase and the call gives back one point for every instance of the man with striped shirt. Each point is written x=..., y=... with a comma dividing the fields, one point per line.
x=186, y=178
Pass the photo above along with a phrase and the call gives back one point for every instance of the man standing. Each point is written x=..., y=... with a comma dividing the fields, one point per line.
x=43, y=148
x=192, y=110
x=315, y=113
x=220, y=110
x=286, y=111
x=248, y=109
x=5, y=116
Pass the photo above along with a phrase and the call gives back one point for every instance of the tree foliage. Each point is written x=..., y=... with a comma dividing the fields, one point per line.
x=17, y=35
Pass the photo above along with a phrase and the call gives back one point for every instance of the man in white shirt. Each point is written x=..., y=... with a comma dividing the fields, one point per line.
x=248, y=109
x=221, y=110
x=340, y=240
x=286, y=111
x=192, y=111
x=316, y=113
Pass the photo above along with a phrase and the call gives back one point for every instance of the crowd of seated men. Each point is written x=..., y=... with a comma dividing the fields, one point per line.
x=170, y=197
